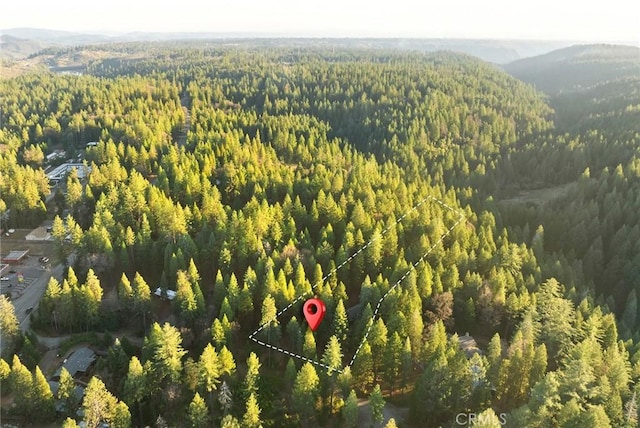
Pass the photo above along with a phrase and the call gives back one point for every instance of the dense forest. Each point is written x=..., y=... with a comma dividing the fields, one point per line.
x=425, y=198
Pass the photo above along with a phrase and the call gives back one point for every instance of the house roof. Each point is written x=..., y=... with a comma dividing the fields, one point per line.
x=468, y=345
x=78, y=362
x=15, y=256
x=170, y=293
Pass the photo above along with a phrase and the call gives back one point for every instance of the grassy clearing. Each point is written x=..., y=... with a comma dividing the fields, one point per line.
x=540, y=196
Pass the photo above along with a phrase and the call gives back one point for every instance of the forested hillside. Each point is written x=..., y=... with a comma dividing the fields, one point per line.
x=577, y=67
x=594, y=153
x=243, y=179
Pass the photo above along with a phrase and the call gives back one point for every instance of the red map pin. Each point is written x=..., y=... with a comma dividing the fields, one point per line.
x=314, y=310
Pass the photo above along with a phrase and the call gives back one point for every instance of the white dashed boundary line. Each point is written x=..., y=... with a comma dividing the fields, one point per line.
x=332, y=272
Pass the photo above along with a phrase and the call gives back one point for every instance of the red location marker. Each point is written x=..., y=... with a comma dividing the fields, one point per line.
x=314, y=310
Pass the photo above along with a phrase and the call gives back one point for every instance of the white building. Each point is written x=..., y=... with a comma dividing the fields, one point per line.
x=60, y=172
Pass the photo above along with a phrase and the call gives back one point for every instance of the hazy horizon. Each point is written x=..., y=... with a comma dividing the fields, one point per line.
x=258, y=34
x=613, y=22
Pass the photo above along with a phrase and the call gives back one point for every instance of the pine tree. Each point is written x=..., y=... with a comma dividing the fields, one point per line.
x=251, y=379
x=290, y=373
x=295, y=334
x=350, y=411
x=271, y=332
x=251, y=418
x=99, y=404
x=209, y=370
x=226, y=362
x=332, y=358
x=224, y=397
x=217, y=333
x=340, y=325
x=226, y=310
x=487, y=419
x=22, y=386
x=376, y=401
x=5, y=372
x=233, y=291
x=69, y=423
x=9, y=327
x=219, y=290
x=198, y=413
x=136, y=385
x=66, y=392
x=494, y=359
x=92, y=299
x=363, y=368
x=185, y=298
x=391, y=423
x=392, y=360
x=378, y=340
x=121, y=416
x=125, y=291
x=345, y=381
x=245, y=302
x=229, y=422
x=309, y=346
x=631, y=412
x=141, y=298
x=305, y=392
x=43, y=401
x=406, y=363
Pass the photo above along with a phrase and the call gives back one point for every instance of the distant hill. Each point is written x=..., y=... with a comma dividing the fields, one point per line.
x=55, y=37
x=496, y=51
x=16, y=48
x=577, y=67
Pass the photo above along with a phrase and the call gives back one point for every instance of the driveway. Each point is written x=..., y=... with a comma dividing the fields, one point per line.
x=32, y=293
x=389, y=411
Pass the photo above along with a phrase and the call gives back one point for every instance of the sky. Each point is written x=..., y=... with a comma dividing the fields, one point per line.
x=610, y=20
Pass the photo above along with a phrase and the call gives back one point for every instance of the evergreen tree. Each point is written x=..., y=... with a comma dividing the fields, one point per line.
x=136, y=384
x=66, y=392
x=9, y=327
x=350, y=411
x=251, y=379
x=198, y=414
x=42, y=397
x=5, y=372
x=69, y=423
x=229, y=422
x=22, y=386
x=305, y=392
x=185, y=298
x=392, y=360
x=163, y=347
x=309, y=346
x=209, y=370
x=290, y=373
x=376, y=401
x=122, y=416
x=391, y=423
x=340, y=325
x=125, y=291
x=487, y=419
x=99, y=404
x=332, y=356
x=141, y=298
x=217, y=333
x=271, y=332
x=226, y=362
x=363, y=368
x=224, y=397
x=251, y=418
